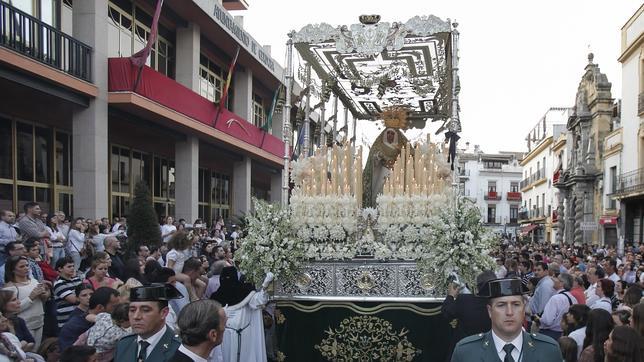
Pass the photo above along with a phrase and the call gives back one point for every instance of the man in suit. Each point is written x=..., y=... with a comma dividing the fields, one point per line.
x=152, y=340
x=467, y=313
x=201, y=324
x=506, y=341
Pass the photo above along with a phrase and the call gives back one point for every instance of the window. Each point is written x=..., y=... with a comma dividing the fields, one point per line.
x=128, y=32
x=491, y=214
x=220, y=195
x=6, y=149
x=491, y=186
x=35, y=165
x=514, y=214
x=163, y=186
x=127, y=167
x=493, y=164
x=259, y=114
x=514, y=187
x=613, y=186
x=211, y=78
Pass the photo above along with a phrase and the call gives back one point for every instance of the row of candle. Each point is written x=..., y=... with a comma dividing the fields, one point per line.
x=415, y=172
x=335, y=171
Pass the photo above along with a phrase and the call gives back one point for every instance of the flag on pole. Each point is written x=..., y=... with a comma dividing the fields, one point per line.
x=269, y=120
x=231, y=69
x=141, y=57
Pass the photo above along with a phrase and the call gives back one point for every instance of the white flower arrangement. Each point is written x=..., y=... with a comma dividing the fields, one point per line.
x=326, y=224
x=459, y=244
x=270, y=244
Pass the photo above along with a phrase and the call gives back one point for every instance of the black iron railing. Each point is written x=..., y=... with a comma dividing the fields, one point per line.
x=31, y=37
x=630, y=182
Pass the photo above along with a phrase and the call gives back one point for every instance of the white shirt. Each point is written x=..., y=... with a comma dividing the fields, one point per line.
x=603, y=303
x=614, y=277
x=555, y=309
x=591, y=296
x=153, y=340
x=578, y=335
x=192, y=355
x=499, y=344
x=166, y=230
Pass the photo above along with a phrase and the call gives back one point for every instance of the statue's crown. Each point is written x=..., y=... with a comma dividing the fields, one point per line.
x=395, y=117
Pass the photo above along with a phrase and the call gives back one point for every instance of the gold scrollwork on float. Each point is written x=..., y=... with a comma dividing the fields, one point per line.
x=366, y=338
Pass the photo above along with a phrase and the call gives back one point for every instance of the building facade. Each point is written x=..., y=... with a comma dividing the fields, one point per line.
x=492, y=182
x=538, y=214
x=581, y=182
x=626, y=177
x=80, y=125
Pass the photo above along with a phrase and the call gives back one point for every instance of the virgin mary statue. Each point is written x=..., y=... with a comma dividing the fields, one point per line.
x=382, y=156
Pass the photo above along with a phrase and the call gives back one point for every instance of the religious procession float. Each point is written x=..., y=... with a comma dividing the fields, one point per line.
x=363, y=250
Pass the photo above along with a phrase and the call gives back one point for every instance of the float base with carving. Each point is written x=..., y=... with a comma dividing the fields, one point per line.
x=362, y=296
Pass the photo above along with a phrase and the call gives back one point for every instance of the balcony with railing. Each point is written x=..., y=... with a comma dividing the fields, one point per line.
x=537, y=213
x=514, y=196
x=492, y=220
x=514, y=220
x=492, y=195
x=630, y=182
x=43, y=43
x=538, y=176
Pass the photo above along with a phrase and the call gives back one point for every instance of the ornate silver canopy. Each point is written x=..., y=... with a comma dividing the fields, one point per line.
x=375, y=65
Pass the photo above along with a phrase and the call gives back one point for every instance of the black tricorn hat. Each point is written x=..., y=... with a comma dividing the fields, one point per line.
x=503, y=287
x=154, y=292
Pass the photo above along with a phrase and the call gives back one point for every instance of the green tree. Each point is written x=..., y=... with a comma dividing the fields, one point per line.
x=142, y=224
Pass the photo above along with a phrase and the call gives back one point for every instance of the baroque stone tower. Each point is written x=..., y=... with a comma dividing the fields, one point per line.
x=580, y=183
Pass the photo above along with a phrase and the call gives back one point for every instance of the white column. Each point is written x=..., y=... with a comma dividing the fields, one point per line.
x=89, y=125
x=187, y=179
x=243, y=100
x=188, y=51
x=241, y=186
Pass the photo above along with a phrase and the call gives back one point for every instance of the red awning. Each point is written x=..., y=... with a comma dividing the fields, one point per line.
x=528, y=228
x=608, y=220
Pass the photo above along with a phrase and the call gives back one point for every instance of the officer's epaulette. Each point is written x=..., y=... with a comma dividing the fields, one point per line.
x=544, y=338
x=472, y=338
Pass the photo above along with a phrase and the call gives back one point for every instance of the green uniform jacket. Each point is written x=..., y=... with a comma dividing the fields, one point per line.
x=127, y=347
x=480, y=348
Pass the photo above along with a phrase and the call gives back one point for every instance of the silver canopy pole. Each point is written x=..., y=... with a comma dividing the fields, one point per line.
x=286, y=122
x=307, y=114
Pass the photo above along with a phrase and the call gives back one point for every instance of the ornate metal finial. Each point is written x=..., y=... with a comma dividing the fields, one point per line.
x=369, y=19
x=591, y=56
x=455, y=24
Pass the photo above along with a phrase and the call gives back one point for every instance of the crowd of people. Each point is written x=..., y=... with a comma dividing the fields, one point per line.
x=72, y=291
x=587, y=298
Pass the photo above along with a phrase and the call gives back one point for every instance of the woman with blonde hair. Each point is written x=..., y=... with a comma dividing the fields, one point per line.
x=99, y=276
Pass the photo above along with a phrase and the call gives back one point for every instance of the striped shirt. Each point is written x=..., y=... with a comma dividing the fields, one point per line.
x=63, y=288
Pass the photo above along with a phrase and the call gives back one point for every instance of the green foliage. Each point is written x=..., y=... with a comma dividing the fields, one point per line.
x=142, y=224
x=270, y=244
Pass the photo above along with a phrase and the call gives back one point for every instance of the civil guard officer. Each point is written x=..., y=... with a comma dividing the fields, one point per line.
x=152, y=340
x=506, y=341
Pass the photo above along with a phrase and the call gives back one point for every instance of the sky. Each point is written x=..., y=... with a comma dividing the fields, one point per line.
x=517, y=58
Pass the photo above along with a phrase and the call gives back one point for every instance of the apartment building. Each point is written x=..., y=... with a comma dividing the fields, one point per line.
x=538, y=215
x=80, y=125
x=492, y=182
